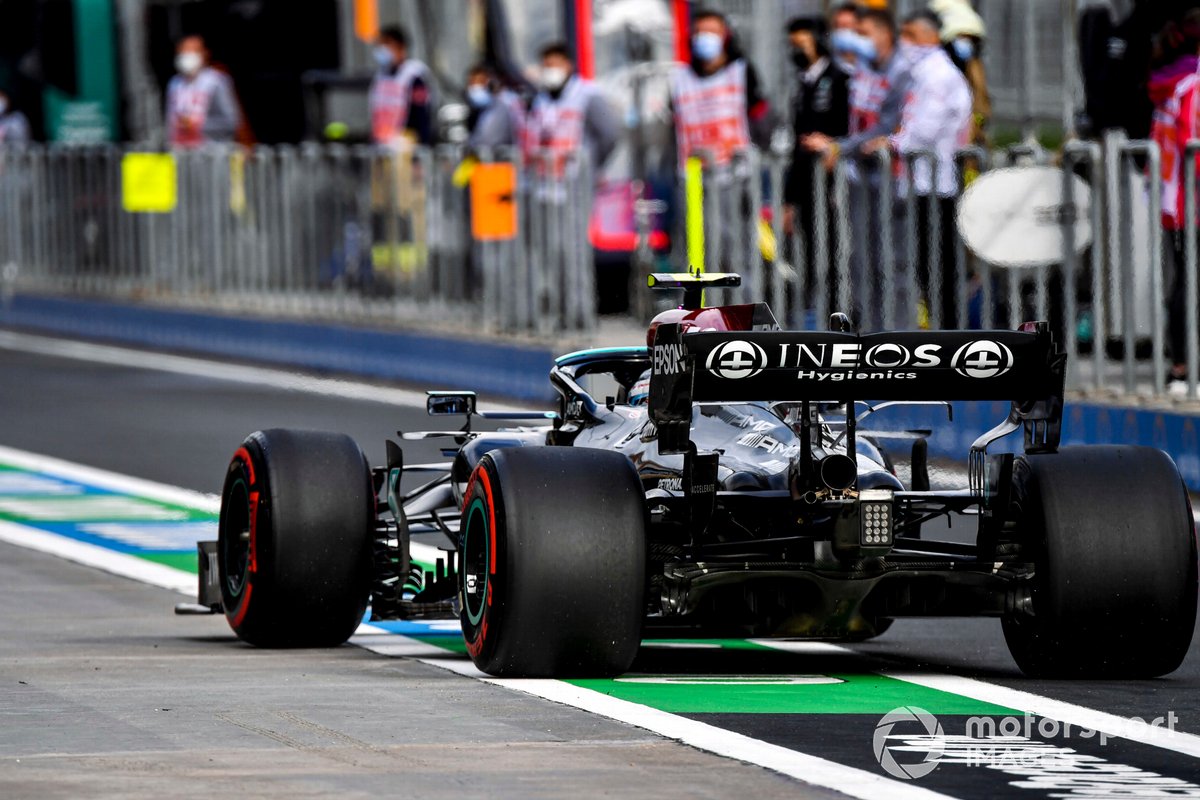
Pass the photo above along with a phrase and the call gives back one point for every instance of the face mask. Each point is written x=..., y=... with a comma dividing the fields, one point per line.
x=478, y=96
x=383, y=57
x=554, y=78
x=707, y=46
x=847, y=41
x=913, y=53
x=188, y=63
x=801, y=59
x=964, y=49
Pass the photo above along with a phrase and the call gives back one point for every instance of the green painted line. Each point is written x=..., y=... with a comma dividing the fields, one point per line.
x=188, y=562
x=450, y=642
x=94, y=508
x=853, y=694
x=724, y=644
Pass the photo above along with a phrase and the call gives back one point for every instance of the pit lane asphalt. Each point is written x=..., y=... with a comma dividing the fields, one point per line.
x=86, y=659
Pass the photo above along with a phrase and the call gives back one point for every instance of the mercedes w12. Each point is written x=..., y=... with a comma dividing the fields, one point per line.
x=726, y=479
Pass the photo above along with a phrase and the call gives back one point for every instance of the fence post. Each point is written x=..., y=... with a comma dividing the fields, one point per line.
x=750, y=176
x=775, y=293
x=1074, y=153
x=818, y=248
x=1150, y=151
x=887, y=247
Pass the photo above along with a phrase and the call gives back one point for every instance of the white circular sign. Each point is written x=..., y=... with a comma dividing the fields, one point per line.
x=1015, y=217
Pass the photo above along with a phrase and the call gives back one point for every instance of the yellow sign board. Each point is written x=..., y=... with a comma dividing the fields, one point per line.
x=148, y=183
x=494, y=202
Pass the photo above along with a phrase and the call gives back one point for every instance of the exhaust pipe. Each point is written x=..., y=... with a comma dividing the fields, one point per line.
x=837, y=471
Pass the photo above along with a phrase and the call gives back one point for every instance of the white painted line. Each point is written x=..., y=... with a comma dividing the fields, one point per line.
x=805, y=648
x=116, y=482
x=1076, y=716
x=112, y=481
x=123, y=564
x=219, y=370
x=394, y=645
x=808, y=769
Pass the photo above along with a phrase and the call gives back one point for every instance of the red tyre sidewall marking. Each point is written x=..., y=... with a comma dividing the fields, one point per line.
x=243, y=456
x=491, y=508
x=480, y=473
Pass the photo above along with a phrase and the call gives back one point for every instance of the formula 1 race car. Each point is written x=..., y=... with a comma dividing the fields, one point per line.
x=725, y=486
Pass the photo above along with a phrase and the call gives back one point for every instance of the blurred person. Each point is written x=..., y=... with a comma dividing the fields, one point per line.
x=716, y=98
x=821, y=105
x=570, y=112
x=878, y=87
x=1175, y=92
x=497, y=114
x=569, y=116
x=844, y=16
x=202, y=105
x=963, y=34
x=402, y=99
x=1118, y=48
x=937, y=118
x=843, y=19
x=14, y=126
x=878, y=90
x=719, y=110
x=477, y=92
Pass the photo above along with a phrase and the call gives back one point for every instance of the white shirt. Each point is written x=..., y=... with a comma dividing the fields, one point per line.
x=936, y=117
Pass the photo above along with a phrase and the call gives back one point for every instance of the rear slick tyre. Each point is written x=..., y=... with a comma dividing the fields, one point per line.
x=294, y=539
x=553, y=551
x=1110, y=534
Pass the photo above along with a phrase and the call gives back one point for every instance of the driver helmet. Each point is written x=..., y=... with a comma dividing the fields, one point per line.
x=639, y=394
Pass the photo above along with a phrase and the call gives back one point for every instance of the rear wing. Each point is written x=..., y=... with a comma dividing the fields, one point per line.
x=1024, y=366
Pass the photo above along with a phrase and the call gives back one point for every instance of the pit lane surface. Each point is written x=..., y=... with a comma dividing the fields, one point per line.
x=361, y=720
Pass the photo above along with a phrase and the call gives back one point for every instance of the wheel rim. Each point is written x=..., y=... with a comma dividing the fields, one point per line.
x=235, y=537
x=475, y=563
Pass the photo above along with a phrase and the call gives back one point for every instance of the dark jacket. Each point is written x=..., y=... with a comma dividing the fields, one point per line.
x=822, y=105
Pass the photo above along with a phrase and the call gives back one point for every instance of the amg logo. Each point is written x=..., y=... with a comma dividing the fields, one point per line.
x=668, y=359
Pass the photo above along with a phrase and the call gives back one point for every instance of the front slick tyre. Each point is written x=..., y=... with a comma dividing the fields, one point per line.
x=553, y=544
x=1109, y=531
x=294, y=541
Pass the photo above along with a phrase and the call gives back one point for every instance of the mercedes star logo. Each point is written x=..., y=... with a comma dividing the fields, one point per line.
x=736, y=359
x=982, y=359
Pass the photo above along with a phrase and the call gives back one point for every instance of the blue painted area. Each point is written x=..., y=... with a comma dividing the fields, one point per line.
x=48, y=502
x=406, y=627
x=182, y=538
x=488, y=367
x=520, y=371
x=1083, y=423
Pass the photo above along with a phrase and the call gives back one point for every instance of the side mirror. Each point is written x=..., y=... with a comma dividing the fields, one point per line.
x=450, y=404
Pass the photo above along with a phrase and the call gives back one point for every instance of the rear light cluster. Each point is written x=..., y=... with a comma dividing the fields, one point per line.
x=875, y=515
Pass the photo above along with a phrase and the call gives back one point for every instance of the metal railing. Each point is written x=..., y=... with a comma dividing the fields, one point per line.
x=364, y=234
x=355, y=233
x=873, y=248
